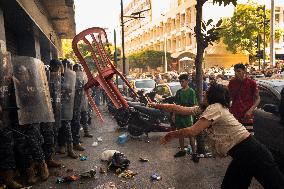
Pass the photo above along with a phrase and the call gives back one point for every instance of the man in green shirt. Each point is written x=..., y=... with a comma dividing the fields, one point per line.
x=185, y=97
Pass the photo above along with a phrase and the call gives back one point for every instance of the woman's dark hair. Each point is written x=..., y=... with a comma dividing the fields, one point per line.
x=218, y=93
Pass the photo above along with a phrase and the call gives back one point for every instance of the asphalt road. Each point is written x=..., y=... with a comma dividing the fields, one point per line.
x=176, y=173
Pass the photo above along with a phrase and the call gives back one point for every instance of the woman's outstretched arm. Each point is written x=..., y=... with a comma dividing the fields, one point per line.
x=194, y=130
x=182, y=110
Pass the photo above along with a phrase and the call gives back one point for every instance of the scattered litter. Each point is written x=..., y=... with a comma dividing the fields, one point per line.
x=188, y=149
x=95, y=144
x=109, y=185
x=128, y=174
x=207, y=155
x=83, y=158
x=66, y=179
x=88, y=174
x=118, y=171
x=107, y=154
x=172, y=188
x=102, y=171
x=123, y=181
x=143, y=159
x=62, y=166
x=118, y=160
x=155, y=177
x=100, y=139
x=122, y=138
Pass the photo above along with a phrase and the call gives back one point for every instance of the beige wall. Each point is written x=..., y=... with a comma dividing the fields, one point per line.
x=224, y=60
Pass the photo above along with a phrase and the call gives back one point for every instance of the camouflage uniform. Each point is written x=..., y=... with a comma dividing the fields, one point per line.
x=47, y=133
x=7, y=160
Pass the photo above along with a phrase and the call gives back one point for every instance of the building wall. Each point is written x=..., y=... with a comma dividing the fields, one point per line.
x=174, y=30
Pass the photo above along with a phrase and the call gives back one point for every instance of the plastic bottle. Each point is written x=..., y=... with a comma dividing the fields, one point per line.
x=122, y=138
x=189, y=149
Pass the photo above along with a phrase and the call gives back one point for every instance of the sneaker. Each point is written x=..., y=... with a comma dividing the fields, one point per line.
x=180, y=154
x=195, y=158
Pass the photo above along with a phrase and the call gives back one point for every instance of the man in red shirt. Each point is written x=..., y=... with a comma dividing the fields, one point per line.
x=244, y=95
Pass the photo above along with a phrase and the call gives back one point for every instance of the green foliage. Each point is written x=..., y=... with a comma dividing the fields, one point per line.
x=240, y=32
x=146, y=58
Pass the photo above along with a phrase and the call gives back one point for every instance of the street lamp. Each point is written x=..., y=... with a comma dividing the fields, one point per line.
x=134, y=15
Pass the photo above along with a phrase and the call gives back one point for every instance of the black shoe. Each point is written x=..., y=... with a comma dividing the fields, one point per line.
x=195, y=158
x=180, y=154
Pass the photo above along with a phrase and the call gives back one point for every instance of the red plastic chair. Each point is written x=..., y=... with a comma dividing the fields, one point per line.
x=96, y=40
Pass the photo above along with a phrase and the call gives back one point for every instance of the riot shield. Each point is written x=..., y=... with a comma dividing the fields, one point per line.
x=78, y=92
x=32, y=91
x=5, y=82
x=55, y=94
x=67, y=94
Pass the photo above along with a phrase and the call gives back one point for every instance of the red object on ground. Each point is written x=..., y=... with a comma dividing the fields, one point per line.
x=96, y=40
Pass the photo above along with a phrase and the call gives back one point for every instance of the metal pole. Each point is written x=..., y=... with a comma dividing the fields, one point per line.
x=115, y=54
x=258, y=47
x=122, y=38
x=272, y=34
x=166, y=61
x=264, y=24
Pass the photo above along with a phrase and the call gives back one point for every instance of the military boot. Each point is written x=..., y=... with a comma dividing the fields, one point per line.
x=70, y=151
x=88, y=135
x=43, y=170
x=31, y=173
x=61, y=149
x=78, y=147
x=8, y=178
x=52, y=163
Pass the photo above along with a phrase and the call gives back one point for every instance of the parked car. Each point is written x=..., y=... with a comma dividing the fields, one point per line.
x=120, y=82
x=268, y=127
x=164, y=92
x=146, y=85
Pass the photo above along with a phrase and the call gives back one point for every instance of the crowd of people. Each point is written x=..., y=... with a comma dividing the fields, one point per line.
x=223, y=115
x=29, y=148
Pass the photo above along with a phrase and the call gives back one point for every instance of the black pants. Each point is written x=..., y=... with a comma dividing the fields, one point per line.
x=252, y=159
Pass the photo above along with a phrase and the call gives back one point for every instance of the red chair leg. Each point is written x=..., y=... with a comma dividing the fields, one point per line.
x=93, y=104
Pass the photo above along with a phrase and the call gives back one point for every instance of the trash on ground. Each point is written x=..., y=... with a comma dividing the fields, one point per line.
x=118, y=160
x=66, y=179
x=88, y=174
x=95, y=144
x=207, y=155
x=100, y=139
x=83, y=158
x=123, y=181
x=102, y=171
x=109, y=185
x=107, y=154
x=143, y=159
x=128, y=174
x=122, y=138
x=155, y=177
x=118, y=171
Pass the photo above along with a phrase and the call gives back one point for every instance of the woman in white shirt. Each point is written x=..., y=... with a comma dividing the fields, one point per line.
x=226, y=136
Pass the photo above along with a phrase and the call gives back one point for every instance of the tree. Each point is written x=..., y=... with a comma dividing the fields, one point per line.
x=204, y=37
x=68, y=53
x=148, y=58
x=241, y=30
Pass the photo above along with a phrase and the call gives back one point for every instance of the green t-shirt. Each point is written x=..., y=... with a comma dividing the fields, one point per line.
x=185, y=98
